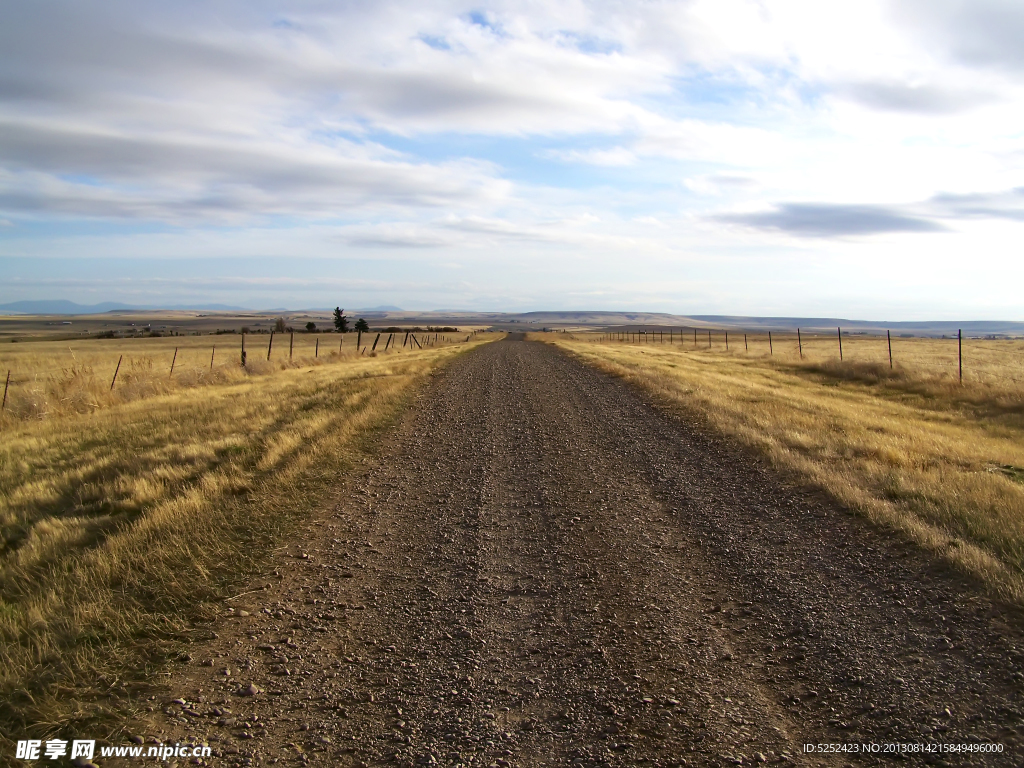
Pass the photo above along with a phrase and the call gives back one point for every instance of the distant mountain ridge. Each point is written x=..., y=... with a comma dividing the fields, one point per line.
x=562, y=319
x=62, y=307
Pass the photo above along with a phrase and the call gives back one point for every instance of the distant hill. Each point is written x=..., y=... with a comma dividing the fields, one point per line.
x=61, y=307
x=828, y=324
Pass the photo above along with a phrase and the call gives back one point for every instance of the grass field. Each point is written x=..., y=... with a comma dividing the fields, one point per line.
x=59, y=378
x=909, y=447
x=125, y=522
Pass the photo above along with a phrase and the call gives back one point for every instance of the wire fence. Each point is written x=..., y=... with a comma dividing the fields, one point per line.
x=957, y=357
x=48, y=369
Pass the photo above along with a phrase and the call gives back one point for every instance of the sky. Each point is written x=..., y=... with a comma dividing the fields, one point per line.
x=774, y=157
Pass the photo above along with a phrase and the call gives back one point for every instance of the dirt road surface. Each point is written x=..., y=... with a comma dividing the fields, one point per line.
x=542, y=569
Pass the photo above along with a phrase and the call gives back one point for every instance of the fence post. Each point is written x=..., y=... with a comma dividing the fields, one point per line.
x=800, y=343
x=771, y=352
x=316, y=352
x=115, y=372
x=212, y=353
x=243, y=350
x=839, y=333
x=173, y=361
x=745, y=347
x=694, y=337
x=406, y=339
x=291, y=343
x=726, y=341
x=960, y=353
x=888, y=338
x=270, y=345
x=709, y=338
x=374, y=347
x=6, y=385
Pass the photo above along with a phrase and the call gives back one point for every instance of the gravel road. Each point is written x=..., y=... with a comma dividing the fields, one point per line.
x=542, y=569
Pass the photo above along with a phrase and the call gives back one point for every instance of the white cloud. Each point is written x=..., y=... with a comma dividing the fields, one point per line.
x=421, y=128
x=616, y=156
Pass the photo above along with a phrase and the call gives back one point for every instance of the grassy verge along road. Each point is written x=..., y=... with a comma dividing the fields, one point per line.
x=122, y=525
x=919, y=453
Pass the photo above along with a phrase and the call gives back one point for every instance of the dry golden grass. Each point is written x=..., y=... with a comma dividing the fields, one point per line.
x=123, y=524
x=909, y=448
x=57, y=378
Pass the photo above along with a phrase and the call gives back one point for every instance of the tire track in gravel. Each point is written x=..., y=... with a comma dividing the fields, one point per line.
x=541, y=569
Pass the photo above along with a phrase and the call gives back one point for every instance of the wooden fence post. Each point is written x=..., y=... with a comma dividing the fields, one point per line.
x=745, y=347
x=374, y=347
x=270, y=345
x=388, y=342
x=726, y=341
x=7, y=384
x=839, y=333
x=291, y=343
x=243, y=350
x=212, y=353
x=173, y=361
x=709, y=338
x=694, y=337
x=800, y=343
x=888, y=338
x=406, y=339
x=771, y=352
x=115, y=372
x=960, y=353
x=316, y=351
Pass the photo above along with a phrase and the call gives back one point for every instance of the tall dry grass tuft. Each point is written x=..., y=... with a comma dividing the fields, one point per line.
x=123, y=526
x=909, y=447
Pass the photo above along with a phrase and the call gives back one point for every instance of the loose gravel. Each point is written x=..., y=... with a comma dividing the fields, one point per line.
x=542, y=569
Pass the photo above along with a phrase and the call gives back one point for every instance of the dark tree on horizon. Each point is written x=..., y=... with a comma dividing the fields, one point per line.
x=340, y=321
